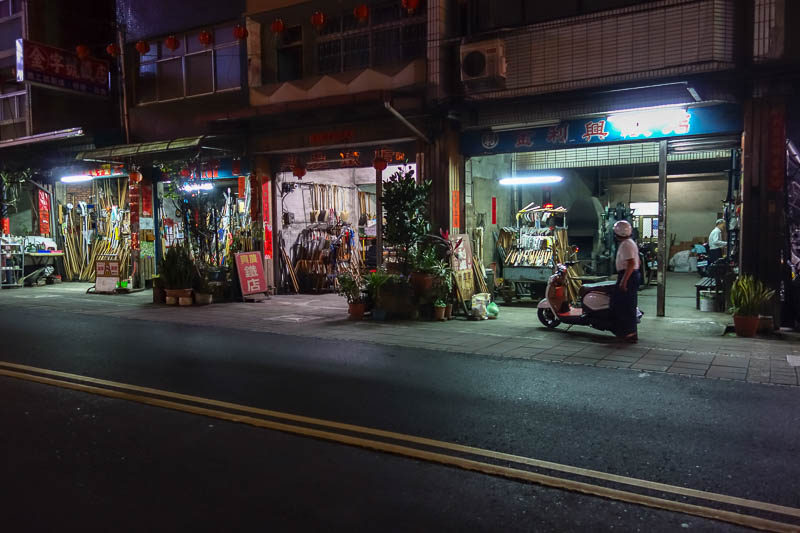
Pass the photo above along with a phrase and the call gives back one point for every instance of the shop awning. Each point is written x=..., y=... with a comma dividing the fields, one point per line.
x=114, y=153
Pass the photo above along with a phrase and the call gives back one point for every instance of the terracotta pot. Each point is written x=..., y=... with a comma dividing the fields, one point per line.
x=356, y=310
x=203, y=298
x=185, y=301
x=746, y=326
x=438, y=313
x=170, y=300
x=448, y=311
x=179, y=293
x=421, y=283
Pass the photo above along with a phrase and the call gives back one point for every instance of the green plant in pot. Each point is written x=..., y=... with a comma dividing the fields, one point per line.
x=405, y=206
x=749, y=297
x=200, y=285
x=375, y=281
x=425, y=267
x=177, y=272
x=351, y=287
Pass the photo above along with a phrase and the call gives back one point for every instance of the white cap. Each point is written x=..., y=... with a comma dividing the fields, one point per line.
x=623, y=228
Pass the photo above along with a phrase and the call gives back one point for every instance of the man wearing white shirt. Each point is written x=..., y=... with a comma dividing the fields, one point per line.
x=715, y=243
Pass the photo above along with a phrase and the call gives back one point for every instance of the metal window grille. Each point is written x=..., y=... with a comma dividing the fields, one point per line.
x=768, y=29
x=389, y=36
x=611, y=155
x=153, y=69
x=653, y=39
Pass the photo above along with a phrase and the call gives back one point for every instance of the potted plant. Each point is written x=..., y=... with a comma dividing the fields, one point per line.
x=374, y=282
x=424, y=270
x=748, y=297
x=439, y=307
x=177, y=272
x=351, y=288
x=405, y=205
x=445, y=280
x=201, y=287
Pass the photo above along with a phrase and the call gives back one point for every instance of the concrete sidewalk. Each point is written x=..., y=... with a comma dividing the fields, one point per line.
x=692, y=344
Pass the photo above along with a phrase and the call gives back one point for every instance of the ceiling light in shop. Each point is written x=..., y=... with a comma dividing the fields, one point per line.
x=189, y=187
x=76, y=179
x=531, y=180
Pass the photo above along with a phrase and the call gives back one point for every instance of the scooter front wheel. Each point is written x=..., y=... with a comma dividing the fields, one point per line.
x=548, y=317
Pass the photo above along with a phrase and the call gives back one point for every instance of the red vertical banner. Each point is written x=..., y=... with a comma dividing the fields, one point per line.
x=134, y=197
x=494, y=209
x=147, y=199
x=265, y=210
x=44, y=214
x=242, y=187
x=456, y=225
x=255, y=201
x=6, y=226
x=776, y=166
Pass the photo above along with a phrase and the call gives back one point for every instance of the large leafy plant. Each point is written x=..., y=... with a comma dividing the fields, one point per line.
x=350, y=287
x=749, y=296
x=405, y=204
x=177, y=269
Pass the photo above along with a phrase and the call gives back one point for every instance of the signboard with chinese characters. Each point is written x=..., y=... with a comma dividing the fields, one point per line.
x=251, y=273
x=107, y=276
x=61, y=69
x=349, y=158
x=619, y=127
x=44, y=214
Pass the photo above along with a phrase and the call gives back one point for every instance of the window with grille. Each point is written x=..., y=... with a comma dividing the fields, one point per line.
x=12, y=115
x=389, y=36
x=190, y=70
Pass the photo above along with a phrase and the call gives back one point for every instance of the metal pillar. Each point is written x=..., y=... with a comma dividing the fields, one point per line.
x=663, y=253
x=379, y=218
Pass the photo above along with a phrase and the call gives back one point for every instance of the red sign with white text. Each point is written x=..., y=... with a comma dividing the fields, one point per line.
x=251, y=273
x=61, y=69
x=44, y=214
x=6, y=226
x=267, y=223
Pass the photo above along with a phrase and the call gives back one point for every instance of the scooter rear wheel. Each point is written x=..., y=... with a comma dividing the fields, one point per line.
x=548, y=318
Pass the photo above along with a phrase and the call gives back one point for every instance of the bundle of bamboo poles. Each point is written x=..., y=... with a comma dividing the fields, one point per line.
x=563, y=253
x=83, y=246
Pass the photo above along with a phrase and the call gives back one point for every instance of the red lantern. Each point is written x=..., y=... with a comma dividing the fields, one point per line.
x=112, y=50
x=277, y=26
x=172, y=43
x=299, y=171
x=240, y=32
x=318, y=20
x=410, y=6
x=135, y=177
x=142, y=47
x=379, y=163
x=205, y=38
x=185, y=172
x=361, y=12
x=82, y=50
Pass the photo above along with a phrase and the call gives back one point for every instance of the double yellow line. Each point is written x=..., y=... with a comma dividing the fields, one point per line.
x=429, y=449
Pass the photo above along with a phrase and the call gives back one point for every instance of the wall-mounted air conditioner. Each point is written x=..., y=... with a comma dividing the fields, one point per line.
x=483, y=64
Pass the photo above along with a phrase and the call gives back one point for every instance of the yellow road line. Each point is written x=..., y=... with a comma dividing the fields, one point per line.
x=466, y=464
x=595, y=474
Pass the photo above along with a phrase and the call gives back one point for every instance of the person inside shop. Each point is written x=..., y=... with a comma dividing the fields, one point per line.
x=624, y=300
x=715, y=243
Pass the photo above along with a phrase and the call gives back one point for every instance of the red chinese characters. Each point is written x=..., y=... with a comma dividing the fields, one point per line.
x=524, y=140
x=595, y=128
x=558, y=134
x=61, y=69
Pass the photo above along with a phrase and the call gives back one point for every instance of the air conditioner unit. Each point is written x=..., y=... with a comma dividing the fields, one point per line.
x=483, y=64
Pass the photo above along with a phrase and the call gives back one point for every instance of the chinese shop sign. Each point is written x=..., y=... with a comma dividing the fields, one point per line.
x=61, y=69
x=44, y=214
x=619, y=127
x=251, y=273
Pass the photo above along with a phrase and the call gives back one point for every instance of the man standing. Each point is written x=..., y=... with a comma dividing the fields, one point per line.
x=624, y=299
x=715, y=243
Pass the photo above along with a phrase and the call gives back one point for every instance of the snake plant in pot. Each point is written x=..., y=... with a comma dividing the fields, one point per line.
x=177, y=272
x=749, y=296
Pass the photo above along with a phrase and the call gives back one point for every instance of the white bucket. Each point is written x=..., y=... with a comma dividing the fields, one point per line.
x=707, y=301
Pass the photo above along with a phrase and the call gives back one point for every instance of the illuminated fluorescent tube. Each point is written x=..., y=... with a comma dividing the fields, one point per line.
x=76, y=179
x=531, y=180
x=189, y=187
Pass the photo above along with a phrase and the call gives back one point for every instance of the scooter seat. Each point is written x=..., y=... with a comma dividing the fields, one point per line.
x=604, y=286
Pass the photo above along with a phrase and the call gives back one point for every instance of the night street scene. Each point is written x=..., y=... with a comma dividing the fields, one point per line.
x=399, y=265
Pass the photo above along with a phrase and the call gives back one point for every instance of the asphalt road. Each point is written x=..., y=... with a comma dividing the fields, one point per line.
x=73, y=459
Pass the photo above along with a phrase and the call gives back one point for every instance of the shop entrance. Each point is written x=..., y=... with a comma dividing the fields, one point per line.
x=593, y=188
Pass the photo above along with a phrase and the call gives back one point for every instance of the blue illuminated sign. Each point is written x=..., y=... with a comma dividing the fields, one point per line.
x=619, y=127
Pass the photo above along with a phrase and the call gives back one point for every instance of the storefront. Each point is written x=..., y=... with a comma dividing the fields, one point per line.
x=670, y=171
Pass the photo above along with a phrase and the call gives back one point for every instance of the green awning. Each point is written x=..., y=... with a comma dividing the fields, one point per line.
x=112, y=153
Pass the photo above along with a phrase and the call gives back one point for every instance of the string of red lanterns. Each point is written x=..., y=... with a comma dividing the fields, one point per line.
x=112, y=50
x=410, y=6
x=205, y=38
x=143, y=47
x=82, y=51
x=172, y=43
x=240, y=32
x=318, y=20
x=299, y=171
x=361, y=12
x=277, y=26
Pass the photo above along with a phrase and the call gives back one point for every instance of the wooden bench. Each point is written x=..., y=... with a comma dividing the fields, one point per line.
x=705, y=284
